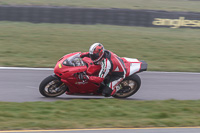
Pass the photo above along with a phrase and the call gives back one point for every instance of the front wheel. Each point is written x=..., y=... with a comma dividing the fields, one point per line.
x=51, y=86
x=129, y=86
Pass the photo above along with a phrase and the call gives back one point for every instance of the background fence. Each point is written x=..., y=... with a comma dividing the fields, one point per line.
x=127, y=17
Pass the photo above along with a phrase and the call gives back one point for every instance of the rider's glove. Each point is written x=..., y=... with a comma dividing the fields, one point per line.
x=85, y=54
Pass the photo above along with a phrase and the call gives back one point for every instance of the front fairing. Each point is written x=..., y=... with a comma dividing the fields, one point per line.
x=65, y=71
x=70, y=75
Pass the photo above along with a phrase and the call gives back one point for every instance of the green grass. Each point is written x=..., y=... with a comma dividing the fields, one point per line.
x=98, y=113
x=169, y=5
x=41, y=45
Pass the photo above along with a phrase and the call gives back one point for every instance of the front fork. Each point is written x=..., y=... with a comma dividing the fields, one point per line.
x=63, y=84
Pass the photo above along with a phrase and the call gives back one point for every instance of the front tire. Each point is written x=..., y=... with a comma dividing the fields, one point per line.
x=51, y=86
x=129, y=86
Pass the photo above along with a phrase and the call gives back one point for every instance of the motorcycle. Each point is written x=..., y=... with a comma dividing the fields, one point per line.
x=70, y=68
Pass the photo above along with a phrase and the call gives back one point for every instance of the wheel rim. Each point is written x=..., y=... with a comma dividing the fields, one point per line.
x=128, y=87
x=54, y=88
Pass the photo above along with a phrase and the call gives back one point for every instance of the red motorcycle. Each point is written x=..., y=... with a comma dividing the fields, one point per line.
x=69, y=69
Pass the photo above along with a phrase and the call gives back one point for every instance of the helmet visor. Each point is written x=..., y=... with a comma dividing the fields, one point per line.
x=94, y=56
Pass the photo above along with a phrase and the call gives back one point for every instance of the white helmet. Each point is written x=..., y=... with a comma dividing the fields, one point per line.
x=96, y=52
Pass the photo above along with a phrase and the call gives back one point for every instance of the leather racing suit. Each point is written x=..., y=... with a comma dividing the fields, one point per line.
x=112, y=72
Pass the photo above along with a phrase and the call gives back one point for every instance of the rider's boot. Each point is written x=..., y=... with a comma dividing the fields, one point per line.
x=107, y=91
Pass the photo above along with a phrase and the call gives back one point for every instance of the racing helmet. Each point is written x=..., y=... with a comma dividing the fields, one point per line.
x=96, y=52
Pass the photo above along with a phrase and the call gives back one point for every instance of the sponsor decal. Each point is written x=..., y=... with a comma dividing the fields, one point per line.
x=117, y=69
x=81, y=83
x=60, y=66
x=176, y=23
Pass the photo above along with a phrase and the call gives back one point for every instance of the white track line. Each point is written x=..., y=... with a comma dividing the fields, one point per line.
x=51, y=69
x=24, y=68
x=158, y=72
x=97, y=129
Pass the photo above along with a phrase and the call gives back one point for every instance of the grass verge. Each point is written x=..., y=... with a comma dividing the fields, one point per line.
x=41, y=45
x=98, y=113
x=169, y=5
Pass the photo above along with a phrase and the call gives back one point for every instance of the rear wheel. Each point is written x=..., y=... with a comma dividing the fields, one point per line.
x=51, y=86
x=129, y=86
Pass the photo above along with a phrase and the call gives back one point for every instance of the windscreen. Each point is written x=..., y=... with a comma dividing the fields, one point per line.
x=74, y=60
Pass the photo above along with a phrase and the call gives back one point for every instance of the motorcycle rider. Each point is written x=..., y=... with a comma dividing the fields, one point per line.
x=112, y=71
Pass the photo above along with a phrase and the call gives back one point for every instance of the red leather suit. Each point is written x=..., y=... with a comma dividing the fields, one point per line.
x=112, y=69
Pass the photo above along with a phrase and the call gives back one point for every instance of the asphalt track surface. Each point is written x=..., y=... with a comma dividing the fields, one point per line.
x=21, y=85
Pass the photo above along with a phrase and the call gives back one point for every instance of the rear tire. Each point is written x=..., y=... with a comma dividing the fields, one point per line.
x=129, y=86
x=51, y=86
